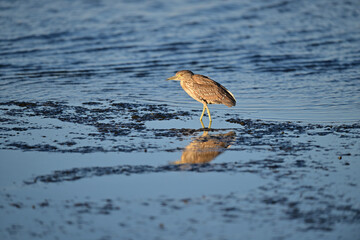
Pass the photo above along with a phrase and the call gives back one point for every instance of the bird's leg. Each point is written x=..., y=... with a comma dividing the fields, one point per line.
x=208, y=111
x=202, y=124
x=202, y=114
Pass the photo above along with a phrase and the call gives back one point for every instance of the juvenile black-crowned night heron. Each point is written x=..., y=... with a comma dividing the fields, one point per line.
x=204, y=90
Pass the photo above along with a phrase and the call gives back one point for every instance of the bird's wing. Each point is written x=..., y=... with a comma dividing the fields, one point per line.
x=201, y=79
x=212, y=92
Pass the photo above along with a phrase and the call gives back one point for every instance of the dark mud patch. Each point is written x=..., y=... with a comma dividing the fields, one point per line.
x=91, y=113
x=111, y=121
x=105, y=207
x=37, y=147
x=323, y=217
x=158, y=116
x=278, y=168
x=107, y=126
x=259, y=128
x=80, y=173
x=179, y=132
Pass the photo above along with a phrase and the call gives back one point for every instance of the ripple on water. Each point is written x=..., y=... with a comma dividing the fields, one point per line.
x=271, y=55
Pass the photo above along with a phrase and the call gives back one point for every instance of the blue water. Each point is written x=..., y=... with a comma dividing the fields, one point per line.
x=284, y=60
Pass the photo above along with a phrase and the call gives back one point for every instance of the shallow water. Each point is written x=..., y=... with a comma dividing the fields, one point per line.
x=294, y=60
x=95, y=144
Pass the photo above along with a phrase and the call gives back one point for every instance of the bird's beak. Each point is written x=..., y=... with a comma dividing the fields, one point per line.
x=172, y=78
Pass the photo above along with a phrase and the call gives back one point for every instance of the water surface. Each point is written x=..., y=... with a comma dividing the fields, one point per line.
x=95, y=144
x=293, y=60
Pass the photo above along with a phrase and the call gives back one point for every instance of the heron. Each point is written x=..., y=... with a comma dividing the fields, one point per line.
x=204, y=90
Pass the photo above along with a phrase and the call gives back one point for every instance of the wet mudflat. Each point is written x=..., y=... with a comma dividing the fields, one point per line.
x=95, y=144
x=112, y=168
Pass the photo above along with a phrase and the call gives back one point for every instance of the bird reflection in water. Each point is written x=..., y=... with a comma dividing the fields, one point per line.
x=205, y=148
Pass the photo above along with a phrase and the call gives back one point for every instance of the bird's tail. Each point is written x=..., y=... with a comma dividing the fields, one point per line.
x=230, y=101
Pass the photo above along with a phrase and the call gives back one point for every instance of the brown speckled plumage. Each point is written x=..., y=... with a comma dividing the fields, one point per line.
x=204, y=89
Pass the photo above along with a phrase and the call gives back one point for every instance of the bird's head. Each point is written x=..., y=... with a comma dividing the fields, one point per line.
x=182, y=75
